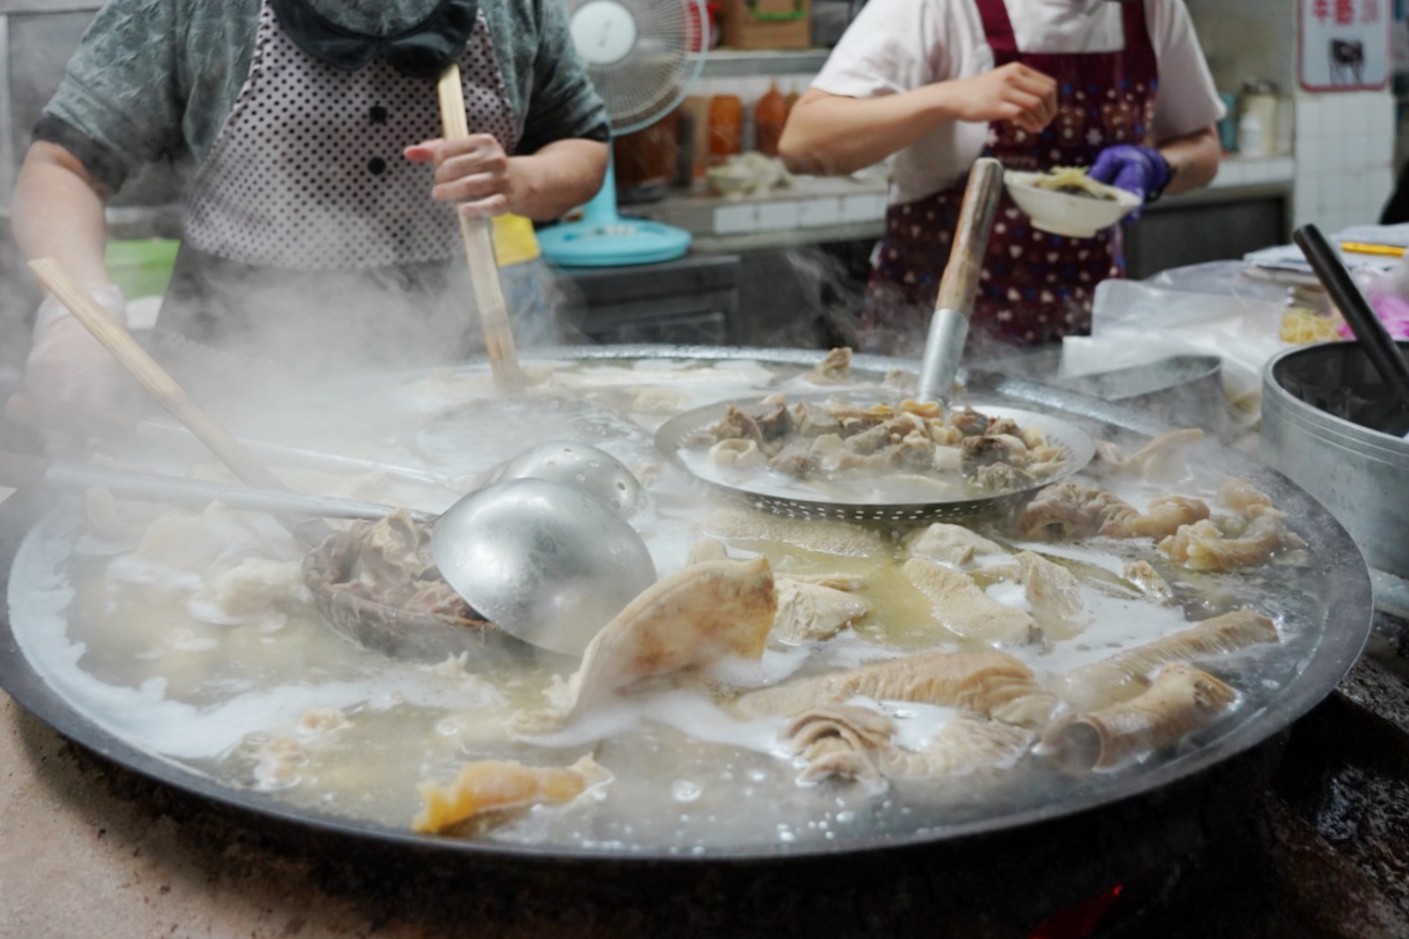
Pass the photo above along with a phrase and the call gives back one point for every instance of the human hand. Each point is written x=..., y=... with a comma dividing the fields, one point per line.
x=1140, y=170
x=472, y=171
x=1014, y=92
x=68, y=368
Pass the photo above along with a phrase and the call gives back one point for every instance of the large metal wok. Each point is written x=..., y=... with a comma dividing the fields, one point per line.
x=1331, y=608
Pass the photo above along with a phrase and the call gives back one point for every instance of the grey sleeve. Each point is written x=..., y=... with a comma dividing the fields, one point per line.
x=563, y=104
x=118, y=105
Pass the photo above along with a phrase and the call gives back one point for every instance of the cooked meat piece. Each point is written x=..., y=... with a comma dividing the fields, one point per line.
x=796, y=460
x=810, y=612
x=961, y=747
x=388, y=563
x=952, y=543
x=1143, y=575
x=1002, y=426
x=1166, y=515
x=1162, y=459
x=772, y=417
x=1126, y=674
x=872, y=439
x=1000, y=477
x=738, y=453
x=813, y=421
x=491, y=789
x=970, y=422
x=1243, y=497
x=1054, y=594
x=839, y=740
x=835, y=367
x=990, y=683
x=963, y=608
x=1069, y=511
x=1203, y=547
x=990, y=448
x=734, y=425
x=1180, y=700
x=689, y=619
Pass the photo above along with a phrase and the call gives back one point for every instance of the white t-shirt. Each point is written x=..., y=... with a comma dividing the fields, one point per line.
x=898, y=45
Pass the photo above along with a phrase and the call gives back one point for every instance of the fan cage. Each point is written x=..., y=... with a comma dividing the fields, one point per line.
x=667, y=58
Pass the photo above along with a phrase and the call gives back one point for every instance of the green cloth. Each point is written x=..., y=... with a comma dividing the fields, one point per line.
x=154, y=80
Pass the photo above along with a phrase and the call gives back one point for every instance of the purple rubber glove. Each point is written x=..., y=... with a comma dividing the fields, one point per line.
x=1140, y=170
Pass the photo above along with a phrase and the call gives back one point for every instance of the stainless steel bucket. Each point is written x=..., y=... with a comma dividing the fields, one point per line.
x=1316, y=403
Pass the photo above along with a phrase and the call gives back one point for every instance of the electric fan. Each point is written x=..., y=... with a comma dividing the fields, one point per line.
x=642, y=56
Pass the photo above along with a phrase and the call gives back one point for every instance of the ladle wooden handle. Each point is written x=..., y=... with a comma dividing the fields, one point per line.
x=152, y=377
x=959, y=283
x=1379, y=347
x=479, y=249
x=161, y=386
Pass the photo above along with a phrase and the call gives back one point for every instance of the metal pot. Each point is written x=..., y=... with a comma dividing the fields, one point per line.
x=1312, y=399
x=1332, y=610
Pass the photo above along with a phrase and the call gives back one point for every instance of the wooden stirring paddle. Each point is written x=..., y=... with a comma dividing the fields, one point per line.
x=158, y=383
x=479, y=249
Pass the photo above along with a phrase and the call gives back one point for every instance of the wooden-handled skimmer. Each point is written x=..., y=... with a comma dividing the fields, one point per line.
x=479, y=249
x=949, y=326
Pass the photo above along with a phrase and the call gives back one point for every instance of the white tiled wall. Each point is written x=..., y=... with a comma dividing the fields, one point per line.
x=1344, y=158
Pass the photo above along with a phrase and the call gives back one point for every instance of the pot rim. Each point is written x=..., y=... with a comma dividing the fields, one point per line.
x=1277, y=399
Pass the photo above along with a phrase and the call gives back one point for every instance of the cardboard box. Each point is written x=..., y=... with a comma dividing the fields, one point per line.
x=767, y=24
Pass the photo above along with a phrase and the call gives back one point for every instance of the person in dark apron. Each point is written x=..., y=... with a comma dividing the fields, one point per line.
x=320, y=228
x=1043, y=109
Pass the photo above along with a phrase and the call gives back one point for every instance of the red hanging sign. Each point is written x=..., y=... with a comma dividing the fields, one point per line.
x=1343, y=45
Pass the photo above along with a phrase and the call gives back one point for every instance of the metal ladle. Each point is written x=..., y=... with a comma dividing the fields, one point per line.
x=529, y=553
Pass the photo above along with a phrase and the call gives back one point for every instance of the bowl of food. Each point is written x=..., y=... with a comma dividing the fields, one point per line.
x=1065, y=201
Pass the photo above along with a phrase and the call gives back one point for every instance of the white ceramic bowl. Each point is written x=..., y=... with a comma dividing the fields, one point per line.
x=1063, y=214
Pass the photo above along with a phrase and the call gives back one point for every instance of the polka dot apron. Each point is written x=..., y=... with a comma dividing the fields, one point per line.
x=308, y=235
x=1035, y=287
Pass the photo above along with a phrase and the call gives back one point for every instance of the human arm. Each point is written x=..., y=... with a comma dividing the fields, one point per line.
x=1194, y=159
x=476, y=173
x=58, y=212
x=828, y=133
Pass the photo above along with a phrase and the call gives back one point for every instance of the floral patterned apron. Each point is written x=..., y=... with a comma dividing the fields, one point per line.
x=1035, y=287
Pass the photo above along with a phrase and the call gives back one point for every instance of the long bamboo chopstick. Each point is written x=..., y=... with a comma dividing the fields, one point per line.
x=479, y=249
x=156, y=381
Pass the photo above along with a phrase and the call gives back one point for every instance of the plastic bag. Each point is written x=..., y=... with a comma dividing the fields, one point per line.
x=1388, y=295
x=1134, y=323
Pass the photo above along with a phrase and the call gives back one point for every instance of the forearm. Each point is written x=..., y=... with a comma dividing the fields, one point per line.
x=1194, y=159
x=58, y=212
x=832, y=134
x=560, y=176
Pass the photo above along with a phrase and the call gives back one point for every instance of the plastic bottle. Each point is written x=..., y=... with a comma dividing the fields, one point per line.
x=769, y=114
x=726, y=127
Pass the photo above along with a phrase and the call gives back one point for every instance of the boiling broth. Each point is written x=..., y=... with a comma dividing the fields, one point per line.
x=278, y=704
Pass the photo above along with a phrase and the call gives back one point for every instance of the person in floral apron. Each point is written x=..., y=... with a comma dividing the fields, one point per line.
x=320, y=223
x=1120, y=87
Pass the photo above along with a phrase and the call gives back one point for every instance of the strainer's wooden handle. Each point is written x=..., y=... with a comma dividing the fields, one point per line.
x=479, y=249
x=961, y=274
